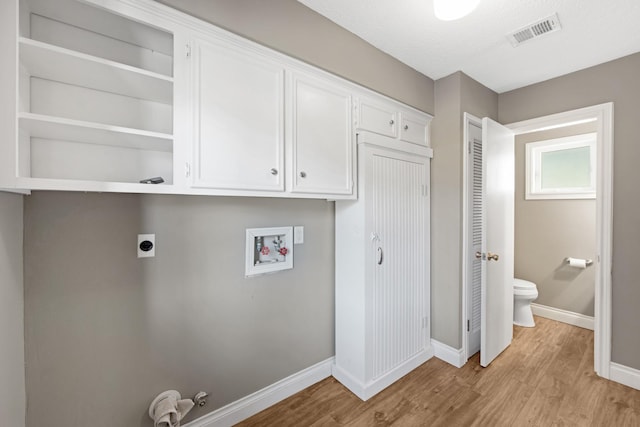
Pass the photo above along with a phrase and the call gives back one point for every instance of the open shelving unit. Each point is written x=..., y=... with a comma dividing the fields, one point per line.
x=96, y=94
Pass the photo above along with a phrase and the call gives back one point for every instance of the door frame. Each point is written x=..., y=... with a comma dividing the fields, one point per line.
x=603, y=114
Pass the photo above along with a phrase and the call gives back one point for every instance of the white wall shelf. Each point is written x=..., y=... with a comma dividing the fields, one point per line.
x=63, y=65
x=56, y=128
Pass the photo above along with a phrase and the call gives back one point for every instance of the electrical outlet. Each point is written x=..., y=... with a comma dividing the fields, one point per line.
x=146, y=245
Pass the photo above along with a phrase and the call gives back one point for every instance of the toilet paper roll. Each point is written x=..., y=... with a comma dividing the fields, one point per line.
x=578, y=263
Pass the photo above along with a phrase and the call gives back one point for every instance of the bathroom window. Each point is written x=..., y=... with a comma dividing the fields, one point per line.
x=561, y=168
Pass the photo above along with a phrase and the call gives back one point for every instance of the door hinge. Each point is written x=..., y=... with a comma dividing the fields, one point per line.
x=425, y=190
x=188, y=50
x=425, y=322
x=468, y=325
x=469, y=146
x=187, y=170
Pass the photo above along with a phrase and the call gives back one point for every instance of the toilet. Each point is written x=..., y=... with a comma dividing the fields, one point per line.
x=524, y=292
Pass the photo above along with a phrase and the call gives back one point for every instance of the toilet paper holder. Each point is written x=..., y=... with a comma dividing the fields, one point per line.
x=587, y=262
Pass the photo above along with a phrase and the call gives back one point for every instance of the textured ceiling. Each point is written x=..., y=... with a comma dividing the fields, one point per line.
x=593, y=32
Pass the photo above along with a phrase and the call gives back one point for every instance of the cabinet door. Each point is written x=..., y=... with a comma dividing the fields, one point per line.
x=238, y=119
x=378, y=117
x=322, y=140
x=398, y=220
x=413, y=129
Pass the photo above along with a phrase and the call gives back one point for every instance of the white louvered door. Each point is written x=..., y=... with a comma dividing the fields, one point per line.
x=397, y=191
x=475, y=203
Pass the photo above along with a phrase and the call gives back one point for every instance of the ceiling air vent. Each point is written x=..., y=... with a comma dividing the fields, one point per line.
x=545, y=26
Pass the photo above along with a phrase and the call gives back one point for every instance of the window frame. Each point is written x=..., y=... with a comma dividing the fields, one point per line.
x=533, y=167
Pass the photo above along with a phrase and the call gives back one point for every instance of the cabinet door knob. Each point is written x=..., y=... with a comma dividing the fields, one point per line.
x=274, y=171
x=406, y=127
x=303, y=174
x=391, y=122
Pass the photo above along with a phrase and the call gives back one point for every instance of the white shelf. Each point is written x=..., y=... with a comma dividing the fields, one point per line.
x=97, y=186
x=56, y=128
x=67, y=66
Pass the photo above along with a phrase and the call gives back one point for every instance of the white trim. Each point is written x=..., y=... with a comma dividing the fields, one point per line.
x=468, y=119
x=367, y=390
x=250, y=405
x=533, y=167
x=603, y=114
x=625, y=375
x=448, y=354
x=564, y=316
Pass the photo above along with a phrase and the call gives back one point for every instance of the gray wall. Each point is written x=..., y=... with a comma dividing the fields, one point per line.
x=615, y=81
x=12, y=383
x=292, y=28
x=454, y=95
x=548, y=231
x=106, y=331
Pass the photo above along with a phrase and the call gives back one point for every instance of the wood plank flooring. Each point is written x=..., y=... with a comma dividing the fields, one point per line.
x=545, y=378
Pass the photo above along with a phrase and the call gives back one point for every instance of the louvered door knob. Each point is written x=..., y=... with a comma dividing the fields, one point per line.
x=406, y=127
x=391, y=122
x=493, y=257
x=274, y=171
x=303, y=174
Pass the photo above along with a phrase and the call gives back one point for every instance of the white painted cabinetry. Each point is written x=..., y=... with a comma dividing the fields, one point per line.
x=238, y=135
x=378, y=116
x=95, y=98
x=322, y=148
x=389, y=118
x=104, y=94
x=414, y=127
x=242, y=100
x=382, y=268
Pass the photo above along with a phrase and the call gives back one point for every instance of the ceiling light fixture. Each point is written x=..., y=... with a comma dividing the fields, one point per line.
x=449, y=10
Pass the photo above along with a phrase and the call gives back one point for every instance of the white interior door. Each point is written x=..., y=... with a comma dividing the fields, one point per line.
x=496, y=317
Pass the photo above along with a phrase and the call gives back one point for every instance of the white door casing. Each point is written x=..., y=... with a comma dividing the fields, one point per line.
x=603, y=114
x=497, y=241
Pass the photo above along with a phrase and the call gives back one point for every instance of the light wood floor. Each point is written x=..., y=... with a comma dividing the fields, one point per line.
x=545, y=378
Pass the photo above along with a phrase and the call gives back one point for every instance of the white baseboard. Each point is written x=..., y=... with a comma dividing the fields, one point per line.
x=448, y=354
x=250, y=405
x=624, y=375
x=367, y=390
x=563, y=316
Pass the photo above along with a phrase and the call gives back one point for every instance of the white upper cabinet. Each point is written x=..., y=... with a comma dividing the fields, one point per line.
x=378, y=116
x=414, y=128
x=390, y=118
x=238, y=101
x=266, y=125
x=112, y=93
x=322, y=149
x=95, y=99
